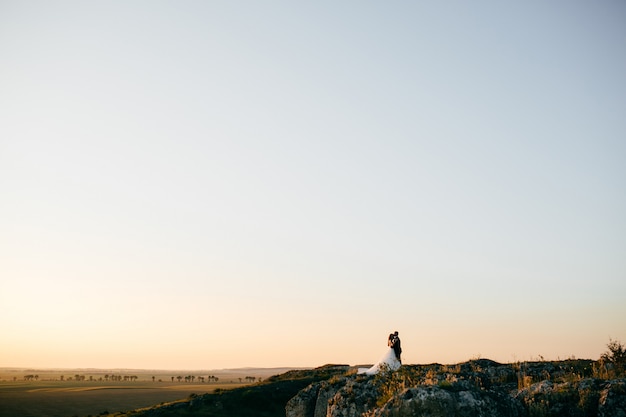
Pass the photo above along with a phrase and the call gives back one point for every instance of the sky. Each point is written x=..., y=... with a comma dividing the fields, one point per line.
x=212, y=184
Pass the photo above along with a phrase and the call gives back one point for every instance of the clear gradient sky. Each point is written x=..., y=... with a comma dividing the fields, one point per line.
x=211, y=184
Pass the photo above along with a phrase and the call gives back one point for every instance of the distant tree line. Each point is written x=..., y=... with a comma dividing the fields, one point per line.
x=107, y=378
x=119, y=378
x=192, y=378
x=133, y=378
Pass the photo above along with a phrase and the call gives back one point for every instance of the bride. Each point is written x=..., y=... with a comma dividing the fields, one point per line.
x=389, y=361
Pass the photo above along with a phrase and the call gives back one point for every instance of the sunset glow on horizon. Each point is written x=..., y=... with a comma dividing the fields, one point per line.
x=208, y=185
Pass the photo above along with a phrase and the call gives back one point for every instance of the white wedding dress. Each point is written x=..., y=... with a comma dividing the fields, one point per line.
x=388, y=361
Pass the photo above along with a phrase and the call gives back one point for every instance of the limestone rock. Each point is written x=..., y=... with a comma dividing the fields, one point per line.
x=479, y=388
x=434, y=401
x=613, y=400
x=303, y=404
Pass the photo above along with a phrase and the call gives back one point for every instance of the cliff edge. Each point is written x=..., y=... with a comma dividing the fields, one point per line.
x=480, y=388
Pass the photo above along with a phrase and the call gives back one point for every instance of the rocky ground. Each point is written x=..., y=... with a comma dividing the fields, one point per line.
x=478, y=388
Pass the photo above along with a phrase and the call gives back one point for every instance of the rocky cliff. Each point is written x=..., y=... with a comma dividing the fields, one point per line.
x=480, y=388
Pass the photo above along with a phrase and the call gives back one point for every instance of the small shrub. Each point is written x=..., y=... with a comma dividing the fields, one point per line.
x=616, y=357
x=447, y=385
x=390, y=383
x=524, y=381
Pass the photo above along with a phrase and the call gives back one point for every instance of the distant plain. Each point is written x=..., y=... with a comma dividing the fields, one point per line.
x=58, y=393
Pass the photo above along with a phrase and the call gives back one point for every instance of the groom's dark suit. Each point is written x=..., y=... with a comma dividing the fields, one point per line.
x=395, y=344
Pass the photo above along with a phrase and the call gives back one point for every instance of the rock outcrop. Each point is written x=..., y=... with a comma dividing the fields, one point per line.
x=462, y=402
x=480, y=388
x=358, y=397
x=613, y=400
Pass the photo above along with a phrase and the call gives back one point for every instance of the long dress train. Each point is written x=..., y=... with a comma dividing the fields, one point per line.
x=389, y=361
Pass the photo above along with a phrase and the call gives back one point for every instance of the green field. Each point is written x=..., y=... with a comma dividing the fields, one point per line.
x=50, y=396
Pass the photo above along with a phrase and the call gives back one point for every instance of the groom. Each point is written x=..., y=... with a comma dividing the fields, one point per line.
x=395, y=344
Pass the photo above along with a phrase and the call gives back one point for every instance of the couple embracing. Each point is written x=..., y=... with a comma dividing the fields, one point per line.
x=394, y=343
x=391, y=359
